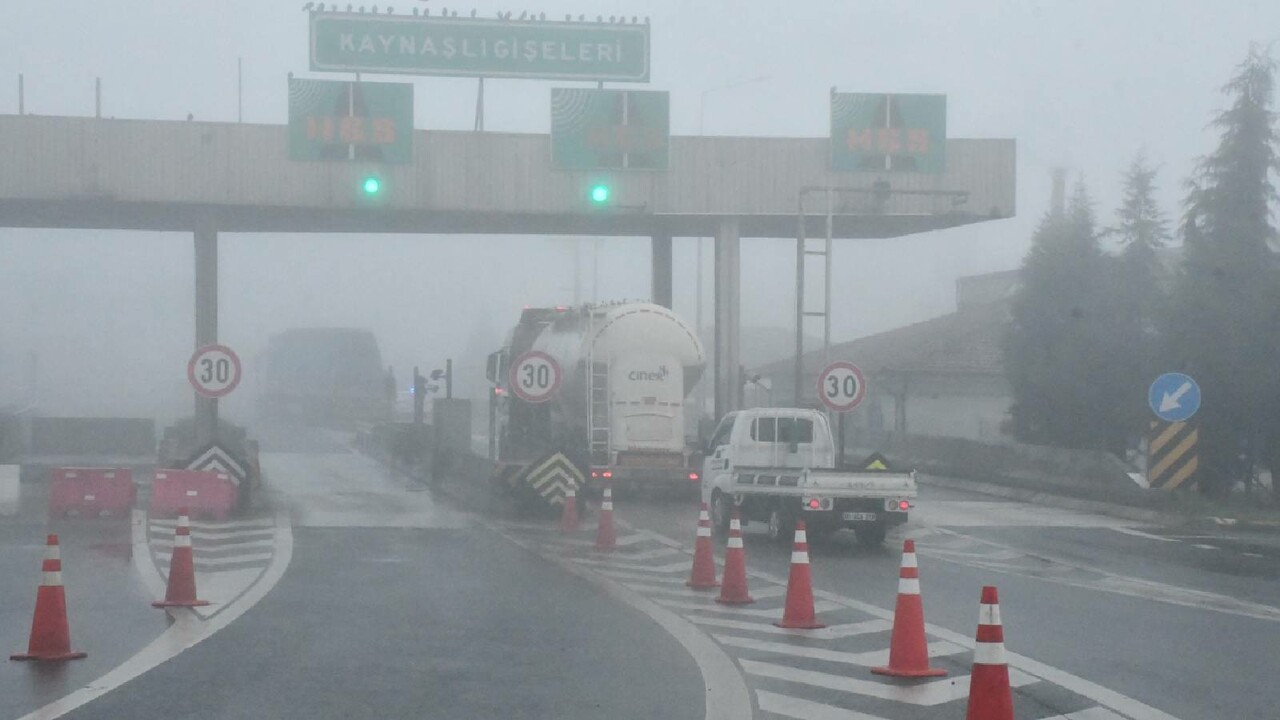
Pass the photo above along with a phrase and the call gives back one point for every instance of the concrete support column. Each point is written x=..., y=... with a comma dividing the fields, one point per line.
x=206, y=257
x=661, y=247
x=727, y=318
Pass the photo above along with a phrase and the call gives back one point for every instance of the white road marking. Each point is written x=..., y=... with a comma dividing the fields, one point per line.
x=624, y=575
x=1253, y=555
x=831, y=632
x=669, y=567
x=801, y=709
x=1205, y=547
x=870, y=658
x=624, y=541
x=712, y=606
x=163, y=558
x=186, y=630
x=1093, y=713
x=222, y=526
x=1139, y=533
x=928, y=693
x=684, y=592
x=215, y=536
x=223, y=547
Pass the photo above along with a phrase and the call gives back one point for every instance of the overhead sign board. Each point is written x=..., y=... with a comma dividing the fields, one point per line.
x=841, y=386
x=1174, y=397
x=535, y=376
x=471, y=47
x=876, y=132
x=610, y=129
x=353, y=121
x=214, y=370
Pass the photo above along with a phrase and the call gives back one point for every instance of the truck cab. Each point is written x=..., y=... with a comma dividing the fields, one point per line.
x=778, y=465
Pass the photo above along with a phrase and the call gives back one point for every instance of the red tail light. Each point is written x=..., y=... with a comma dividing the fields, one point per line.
x=815, y=503
x=693, y=476
x=594, y=474
x=903, y=505
x=607, y=474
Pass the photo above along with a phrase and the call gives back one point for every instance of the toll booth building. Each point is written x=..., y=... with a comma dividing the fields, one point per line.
x=943, y=377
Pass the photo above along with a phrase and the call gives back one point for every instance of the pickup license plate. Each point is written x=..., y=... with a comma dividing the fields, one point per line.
x=856, y=517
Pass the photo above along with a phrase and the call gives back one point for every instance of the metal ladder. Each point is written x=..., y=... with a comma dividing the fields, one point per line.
x=599, y=425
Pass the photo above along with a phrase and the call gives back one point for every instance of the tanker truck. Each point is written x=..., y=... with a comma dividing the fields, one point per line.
x=619, y=412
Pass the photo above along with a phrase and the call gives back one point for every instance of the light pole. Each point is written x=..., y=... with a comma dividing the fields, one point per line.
x=697, y=318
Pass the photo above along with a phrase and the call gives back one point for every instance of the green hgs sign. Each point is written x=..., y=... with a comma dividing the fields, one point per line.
x=893, y=133
x=345, y=42
x=353, y=121
x=610, y=129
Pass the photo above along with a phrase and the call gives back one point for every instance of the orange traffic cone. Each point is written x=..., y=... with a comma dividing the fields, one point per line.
x=50, y=634
x=606, y=537
x=734, y=589
x=908, y=649
x=989, y=694
x=182, y=570
x=569, y=518
x=703, y=574
x=799, y=610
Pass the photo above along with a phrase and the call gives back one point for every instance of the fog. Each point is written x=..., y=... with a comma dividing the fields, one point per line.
x=101, y=322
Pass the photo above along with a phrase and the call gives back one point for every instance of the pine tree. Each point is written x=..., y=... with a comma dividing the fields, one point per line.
x=1137, y=296
x=1054, y=346
x=1224, y=328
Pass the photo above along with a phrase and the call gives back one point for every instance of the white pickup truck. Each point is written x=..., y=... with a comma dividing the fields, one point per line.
x=778, y=465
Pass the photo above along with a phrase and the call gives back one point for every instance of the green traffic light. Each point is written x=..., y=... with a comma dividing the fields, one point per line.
x=372, y=186
x=600, y=194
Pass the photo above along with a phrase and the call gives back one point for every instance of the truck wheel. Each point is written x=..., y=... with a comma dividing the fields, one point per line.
x=721, y=513
x=870, y=536
x=781, y=527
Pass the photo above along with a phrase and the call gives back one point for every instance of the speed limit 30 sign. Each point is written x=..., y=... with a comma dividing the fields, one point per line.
x=841, y=386
x=534, y=376
x=214, y=370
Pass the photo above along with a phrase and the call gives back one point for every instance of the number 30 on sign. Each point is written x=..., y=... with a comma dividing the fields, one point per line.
x=534, y=377
x=841, y=386
x=214, y=370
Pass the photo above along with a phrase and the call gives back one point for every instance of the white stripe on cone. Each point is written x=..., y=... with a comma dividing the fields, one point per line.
x=734, y=524
x=704, y=531
x=182, y=541
x=52, y=552
x=801, y=536
x=606, y=505
x=734, y=542
x=908, y=586
x=703, y=516
x=909, y=560
x=52, y=578
x=800, y=557
x=985, y=653
x=988, y=614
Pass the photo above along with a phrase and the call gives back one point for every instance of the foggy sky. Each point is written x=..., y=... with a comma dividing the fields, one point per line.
x=1084, y=85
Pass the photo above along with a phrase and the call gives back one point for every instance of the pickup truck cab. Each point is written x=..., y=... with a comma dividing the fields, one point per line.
x=777, y=465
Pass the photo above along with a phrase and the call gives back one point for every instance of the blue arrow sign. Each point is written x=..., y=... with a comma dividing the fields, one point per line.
x=1174, y=397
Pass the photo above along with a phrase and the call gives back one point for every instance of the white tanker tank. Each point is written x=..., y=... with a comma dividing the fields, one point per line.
x=627, y=369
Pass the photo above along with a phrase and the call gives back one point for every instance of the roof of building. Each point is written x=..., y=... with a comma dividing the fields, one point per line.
x=965, y=342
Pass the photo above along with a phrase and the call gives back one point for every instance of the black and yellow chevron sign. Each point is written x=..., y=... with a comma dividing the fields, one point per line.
x=553, y=477
x=1172, y=457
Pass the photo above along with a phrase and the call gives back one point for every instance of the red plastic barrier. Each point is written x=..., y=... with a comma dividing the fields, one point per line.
x=206, y=494
x=91, y=492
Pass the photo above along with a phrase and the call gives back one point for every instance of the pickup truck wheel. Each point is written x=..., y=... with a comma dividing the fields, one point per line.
x=721, y=513
x=781, y=527
x=870, y=536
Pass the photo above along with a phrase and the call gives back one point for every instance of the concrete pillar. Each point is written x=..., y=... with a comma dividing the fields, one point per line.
x=661, y=247
x=206, y=257
x=727, y=318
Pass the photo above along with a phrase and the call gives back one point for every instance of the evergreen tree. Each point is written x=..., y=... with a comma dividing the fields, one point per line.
x=1224, y=327
x=1137, y=297
x=1054, y=348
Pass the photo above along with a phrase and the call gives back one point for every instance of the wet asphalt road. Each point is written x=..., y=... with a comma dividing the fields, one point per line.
x=1146, y=611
